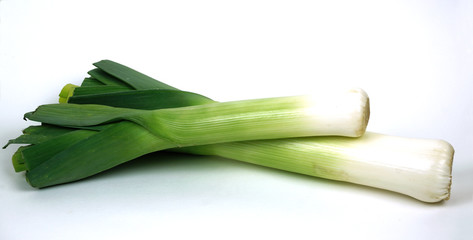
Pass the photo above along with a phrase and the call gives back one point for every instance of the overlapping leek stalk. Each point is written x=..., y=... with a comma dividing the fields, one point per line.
x=420, y=168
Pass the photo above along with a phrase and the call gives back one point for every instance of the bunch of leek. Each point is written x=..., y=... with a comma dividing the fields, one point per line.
x=118, y=114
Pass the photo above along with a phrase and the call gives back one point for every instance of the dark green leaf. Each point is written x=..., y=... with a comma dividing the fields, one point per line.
x=132, y=77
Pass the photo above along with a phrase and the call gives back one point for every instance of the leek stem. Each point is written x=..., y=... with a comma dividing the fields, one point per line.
x=420, y=168
x=344, y=114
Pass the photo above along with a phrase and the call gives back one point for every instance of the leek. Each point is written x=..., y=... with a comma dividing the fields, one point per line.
x=154, y=130
x=102, y=137
x=419, y=168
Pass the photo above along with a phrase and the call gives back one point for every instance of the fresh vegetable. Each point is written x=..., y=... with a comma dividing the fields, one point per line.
x=415, y=167
x=106, y=136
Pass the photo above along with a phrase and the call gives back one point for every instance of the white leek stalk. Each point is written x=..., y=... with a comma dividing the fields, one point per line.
x=420, y=168
x=342, y=112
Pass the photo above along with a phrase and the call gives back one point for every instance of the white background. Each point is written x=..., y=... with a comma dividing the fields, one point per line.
x=414, y=58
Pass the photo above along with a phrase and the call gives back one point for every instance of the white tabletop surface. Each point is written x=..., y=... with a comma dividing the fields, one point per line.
x=414, y=58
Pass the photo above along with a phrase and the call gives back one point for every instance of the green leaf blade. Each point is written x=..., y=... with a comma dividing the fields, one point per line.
x=130, y=76
x=119, y=143
x=108, y=79
x=79, y=115
x=39, y=153
x=144, y=99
